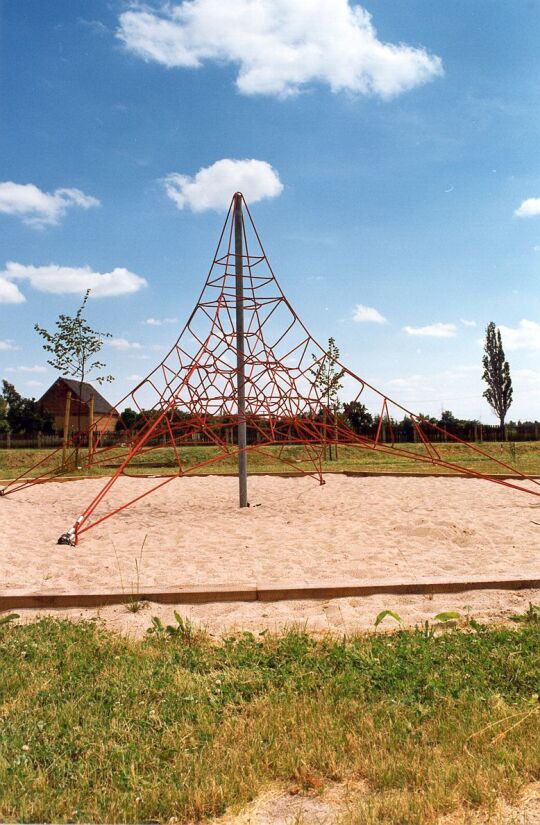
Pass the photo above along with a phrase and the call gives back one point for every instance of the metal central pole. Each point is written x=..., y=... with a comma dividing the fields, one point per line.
x=240, y=351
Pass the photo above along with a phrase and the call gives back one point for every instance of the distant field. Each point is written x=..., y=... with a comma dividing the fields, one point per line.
x=524, y=456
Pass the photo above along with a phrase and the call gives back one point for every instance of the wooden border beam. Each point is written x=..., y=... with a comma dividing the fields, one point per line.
x=280, y=474
x=287, y=591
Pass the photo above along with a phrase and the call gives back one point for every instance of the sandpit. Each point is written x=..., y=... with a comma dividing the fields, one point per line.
x=295, y=531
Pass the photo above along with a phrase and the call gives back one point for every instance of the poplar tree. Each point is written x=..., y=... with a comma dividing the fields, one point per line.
x=496, y=375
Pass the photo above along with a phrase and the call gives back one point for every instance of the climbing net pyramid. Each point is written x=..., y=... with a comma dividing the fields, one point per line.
x=193, y=395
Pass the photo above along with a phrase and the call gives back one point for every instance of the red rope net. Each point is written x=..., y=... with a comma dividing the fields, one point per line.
x=192, y=396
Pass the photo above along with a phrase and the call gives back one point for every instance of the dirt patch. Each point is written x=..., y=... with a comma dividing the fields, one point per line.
x=280, y=807
x=525, y=812
x=335, y=802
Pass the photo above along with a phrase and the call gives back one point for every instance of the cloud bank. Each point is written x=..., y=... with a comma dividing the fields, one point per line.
x=122, y=344
x=279, y=46
x=213, y=186
x=437, y=330
x=526, y=336
x=159, y=322
x=8, y=345
x=35, y=368
x=64, y=280
x=37, y=208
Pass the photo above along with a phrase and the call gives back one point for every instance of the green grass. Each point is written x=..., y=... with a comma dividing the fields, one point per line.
x=99, y=728
x=524, y=456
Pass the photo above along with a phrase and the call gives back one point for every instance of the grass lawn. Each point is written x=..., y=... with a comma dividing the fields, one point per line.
x=524, y=456
x=100, y=728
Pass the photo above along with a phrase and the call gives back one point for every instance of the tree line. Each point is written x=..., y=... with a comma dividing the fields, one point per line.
x=23, y=416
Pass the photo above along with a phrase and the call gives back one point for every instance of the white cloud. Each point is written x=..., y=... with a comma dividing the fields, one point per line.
x=8, y=344
x=279, y=46
x=406, y=383
x=38, y=208
x=437, y=330
x=134, y=377
x=528, y=208
x=35, y=368
x=159, y=322
x=213, y=186
x=525, y=336
x=10, y=293
x=468, y=323
x=33, y=383
x=61, y=280
x=122, y=343
x=363, y=314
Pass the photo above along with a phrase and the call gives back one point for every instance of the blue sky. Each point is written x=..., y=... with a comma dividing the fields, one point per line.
x=393, y=155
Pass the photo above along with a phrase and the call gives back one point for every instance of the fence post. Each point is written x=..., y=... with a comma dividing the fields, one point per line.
x=90, y=430
x=8, y=439
x=65, y=436
x=39, y=440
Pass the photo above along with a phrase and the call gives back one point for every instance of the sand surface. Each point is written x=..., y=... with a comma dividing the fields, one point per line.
x=350, y=529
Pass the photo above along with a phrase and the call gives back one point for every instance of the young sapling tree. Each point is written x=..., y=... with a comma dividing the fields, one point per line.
x=327, y=377
x=73, y=348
